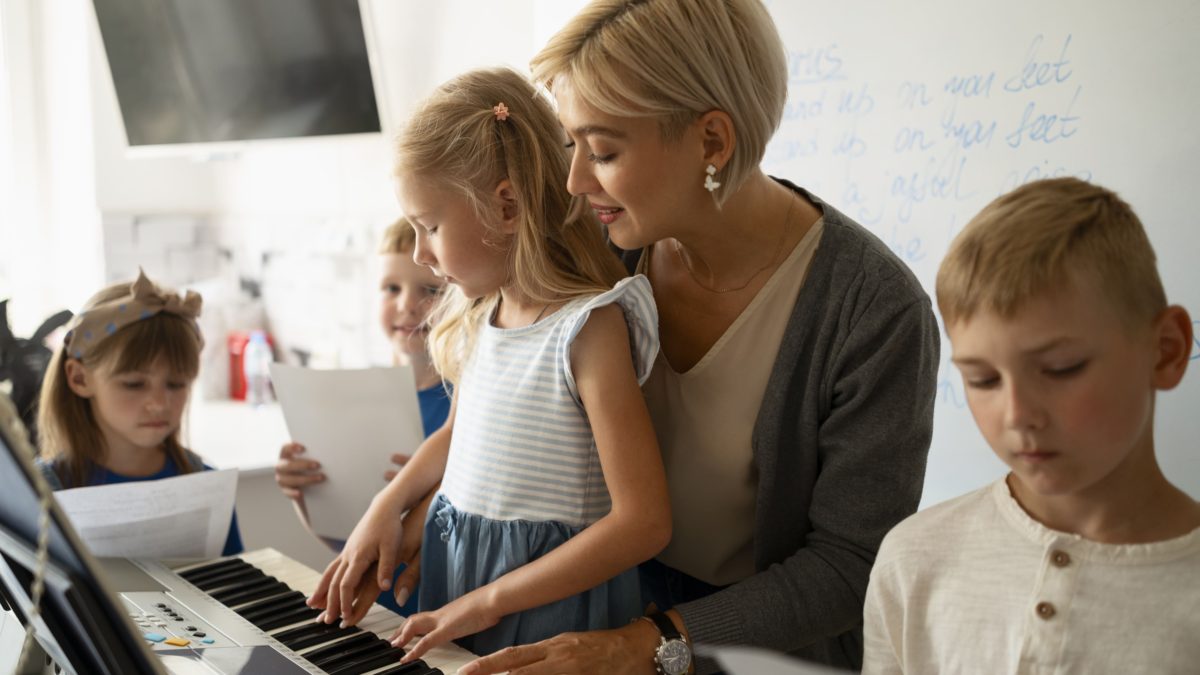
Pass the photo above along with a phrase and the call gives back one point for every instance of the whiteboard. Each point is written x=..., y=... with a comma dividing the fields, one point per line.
x=911, y=116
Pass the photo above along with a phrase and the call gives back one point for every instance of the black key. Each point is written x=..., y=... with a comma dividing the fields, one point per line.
x=190, y=628
x=332, y=632
x=261, y=617
x=270, y=602
x=211, y=583
x=233, y=595
x=244, y=598
x=414, y=668
x=355, y=654
x=295, y=616
x=339, y=648
x=228, y=578
x=200, y=633
x=287, y=636
x=271, y=606
x=366, y=663
x=227, y=564
x=202, y=574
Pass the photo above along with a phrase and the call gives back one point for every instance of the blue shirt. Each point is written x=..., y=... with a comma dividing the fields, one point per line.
x=435, y=407
x=102, y=476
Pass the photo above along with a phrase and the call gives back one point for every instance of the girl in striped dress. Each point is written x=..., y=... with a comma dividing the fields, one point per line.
x=552, y=485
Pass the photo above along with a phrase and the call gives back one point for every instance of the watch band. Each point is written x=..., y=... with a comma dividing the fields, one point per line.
x=665, y=626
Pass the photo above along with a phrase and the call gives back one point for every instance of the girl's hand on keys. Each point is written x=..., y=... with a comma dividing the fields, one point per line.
x=364, y=567
x=465, y=616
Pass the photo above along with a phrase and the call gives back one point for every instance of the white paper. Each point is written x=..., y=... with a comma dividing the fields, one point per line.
x=351, y=421
x=185, y=516
x=754, y=661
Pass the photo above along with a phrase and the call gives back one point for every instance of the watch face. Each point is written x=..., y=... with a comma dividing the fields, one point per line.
x=675, y=657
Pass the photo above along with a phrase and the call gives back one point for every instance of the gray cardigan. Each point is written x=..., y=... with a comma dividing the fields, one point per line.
x=839, y=445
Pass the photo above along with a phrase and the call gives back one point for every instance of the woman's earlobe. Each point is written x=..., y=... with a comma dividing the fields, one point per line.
x=719, y=137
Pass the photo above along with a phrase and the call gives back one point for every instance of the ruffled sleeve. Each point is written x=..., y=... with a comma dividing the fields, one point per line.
x=636, y=299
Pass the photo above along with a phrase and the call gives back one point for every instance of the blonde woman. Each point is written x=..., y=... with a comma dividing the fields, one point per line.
x=793, y=393
x=552, y=486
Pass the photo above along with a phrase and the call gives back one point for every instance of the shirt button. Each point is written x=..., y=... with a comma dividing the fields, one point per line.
x=1045, y=611
x=1060, y=558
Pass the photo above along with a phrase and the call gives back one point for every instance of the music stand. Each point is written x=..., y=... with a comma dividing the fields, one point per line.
x=82, y=625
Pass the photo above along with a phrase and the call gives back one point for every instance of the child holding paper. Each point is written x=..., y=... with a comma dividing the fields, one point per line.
x=113, y=396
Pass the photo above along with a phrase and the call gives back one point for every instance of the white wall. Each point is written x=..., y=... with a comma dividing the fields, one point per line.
x=51, y=235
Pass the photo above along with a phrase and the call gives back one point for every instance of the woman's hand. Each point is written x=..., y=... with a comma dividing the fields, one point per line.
x=354, y=578
x=465, y=616
x=293, y=473
x=622, y=651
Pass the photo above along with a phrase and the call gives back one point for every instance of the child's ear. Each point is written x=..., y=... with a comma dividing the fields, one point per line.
x=510, y=209
x=79, y=379
x=1175, y=340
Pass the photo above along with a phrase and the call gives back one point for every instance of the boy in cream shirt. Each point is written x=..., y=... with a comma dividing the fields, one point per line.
x=1085, y=558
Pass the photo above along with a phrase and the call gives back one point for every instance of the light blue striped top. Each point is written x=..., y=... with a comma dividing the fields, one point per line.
x=522, y=448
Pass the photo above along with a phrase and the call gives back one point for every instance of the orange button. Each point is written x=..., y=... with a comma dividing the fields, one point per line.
x=1045, y=610
x=1060, y=558
x=179, y=642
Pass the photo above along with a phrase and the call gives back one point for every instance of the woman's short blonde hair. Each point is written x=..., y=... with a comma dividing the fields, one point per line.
x=676, y=60
x=399, y=237
x=1043, y=235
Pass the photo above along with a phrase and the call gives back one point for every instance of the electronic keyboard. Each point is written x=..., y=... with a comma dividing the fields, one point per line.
x=247, y=615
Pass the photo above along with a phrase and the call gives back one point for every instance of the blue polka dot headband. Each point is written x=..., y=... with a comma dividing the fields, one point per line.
x=144, y=299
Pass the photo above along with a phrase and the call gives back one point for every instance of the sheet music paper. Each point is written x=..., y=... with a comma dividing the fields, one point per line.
x=184, y=516
x=351, y=421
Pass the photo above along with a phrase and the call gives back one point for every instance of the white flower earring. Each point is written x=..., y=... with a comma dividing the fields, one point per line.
x=710, y=184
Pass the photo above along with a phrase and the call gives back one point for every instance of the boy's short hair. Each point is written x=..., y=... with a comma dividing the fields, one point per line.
x=1040, y=236
x=399, y=237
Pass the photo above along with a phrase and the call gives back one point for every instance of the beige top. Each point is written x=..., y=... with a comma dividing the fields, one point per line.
x=704, y=419
x=975, y=585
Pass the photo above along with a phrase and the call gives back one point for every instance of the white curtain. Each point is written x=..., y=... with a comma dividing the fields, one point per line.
x=49, y=224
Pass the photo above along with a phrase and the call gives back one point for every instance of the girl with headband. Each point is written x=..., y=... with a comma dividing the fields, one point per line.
x=113, y=397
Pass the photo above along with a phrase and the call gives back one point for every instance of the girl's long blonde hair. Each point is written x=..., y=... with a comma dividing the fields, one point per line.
x=68, y=432
x=456, y=141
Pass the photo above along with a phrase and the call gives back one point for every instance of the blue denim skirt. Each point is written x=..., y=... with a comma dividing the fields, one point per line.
x=462, y=552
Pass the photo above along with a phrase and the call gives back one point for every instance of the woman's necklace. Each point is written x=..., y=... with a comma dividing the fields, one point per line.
x=770, y=261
